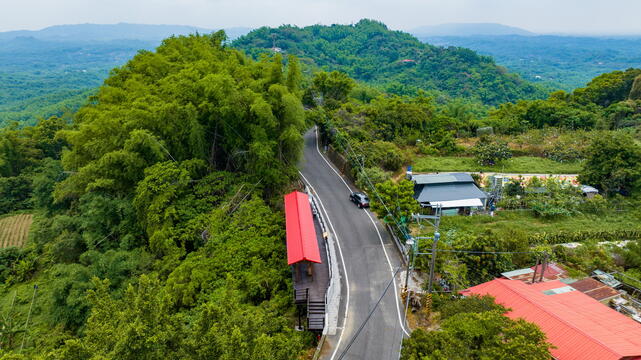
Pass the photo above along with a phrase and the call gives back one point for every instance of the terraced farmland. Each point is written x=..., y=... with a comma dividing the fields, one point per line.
x=14, y=230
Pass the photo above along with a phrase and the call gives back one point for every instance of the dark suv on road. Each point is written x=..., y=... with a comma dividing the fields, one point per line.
x=361, y=200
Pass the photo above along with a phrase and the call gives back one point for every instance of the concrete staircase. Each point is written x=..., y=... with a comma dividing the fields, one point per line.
x=315, y=315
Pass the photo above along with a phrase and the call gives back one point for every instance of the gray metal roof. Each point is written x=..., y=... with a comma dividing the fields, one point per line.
x=589, y=189
x=513, y=273
x=447, y=192
x=422, y=179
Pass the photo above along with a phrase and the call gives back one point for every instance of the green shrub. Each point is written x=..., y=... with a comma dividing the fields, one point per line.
x=469, y=304
x=597, y=205
x=381, y=153
x=427, y=149
x=371, y=176
x=489, y=150
x=564, y=153
x=580, y=236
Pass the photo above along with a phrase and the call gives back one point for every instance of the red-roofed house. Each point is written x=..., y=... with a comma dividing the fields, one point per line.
x=307, y=254
x=579, y=326
x=301, y=235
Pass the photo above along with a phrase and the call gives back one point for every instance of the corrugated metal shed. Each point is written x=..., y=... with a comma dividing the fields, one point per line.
x=447, y=192
x=595, y=289
x=578, y=325
x=301, y=234
x=423, y=179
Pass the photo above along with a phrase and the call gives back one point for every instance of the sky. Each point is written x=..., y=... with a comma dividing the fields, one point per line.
x=542, y=16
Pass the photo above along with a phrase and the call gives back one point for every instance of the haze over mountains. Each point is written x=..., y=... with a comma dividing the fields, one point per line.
x=110, y=32
x=53, y=70
x=45, y=71
x=468, y=29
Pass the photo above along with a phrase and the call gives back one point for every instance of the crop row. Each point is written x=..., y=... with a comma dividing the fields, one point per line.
x=14, y=230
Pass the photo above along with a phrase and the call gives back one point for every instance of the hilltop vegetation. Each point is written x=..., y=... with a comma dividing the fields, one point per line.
x=393, y=61
x=158, y=232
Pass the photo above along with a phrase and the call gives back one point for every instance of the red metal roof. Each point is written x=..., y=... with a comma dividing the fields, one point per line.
x=578, y=325
x=302, y=244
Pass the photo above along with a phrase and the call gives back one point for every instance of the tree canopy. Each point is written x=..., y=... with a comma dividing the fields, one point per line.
x=395, y=61
x=156, y=233
x=613, y=164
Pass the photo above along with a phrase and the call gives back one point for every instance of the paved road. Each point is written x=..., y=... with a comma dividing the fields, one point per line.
x=369, y=259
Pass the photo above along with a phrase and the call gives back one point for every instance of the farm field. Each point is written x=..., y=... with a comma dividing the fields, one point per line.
x=14, y=230
x=521, y=164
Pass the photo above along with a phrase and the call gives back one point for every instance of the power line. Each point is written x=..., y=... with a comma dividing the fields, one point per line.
x=361, y=164
x=360, y=328
x=486, y=252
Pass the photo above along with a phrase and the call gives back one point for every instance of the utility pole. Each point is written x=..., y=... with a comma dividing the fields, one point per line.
x=536, y=268
x=437, y=237
x=544, y=266
x=413, y=243
x=26, y=325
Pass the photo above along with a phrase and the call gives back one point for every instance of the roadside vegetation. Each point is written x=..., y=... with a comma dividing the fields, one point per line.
x=159, y=230
x=476, y=328
x=515, y=165
x=592, y=132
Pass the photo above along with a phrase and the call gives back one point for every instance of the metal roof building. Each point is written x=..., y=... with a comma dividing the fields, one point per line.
x=307, y=255
x=301, y=234
x=447, y=190
x=579, y=326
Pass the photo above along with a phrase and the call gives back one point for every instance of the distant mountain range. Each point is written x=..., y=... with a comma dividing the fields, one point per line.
x=561, y=62
x=111, y=32
x=468, y=29
x=53, y=70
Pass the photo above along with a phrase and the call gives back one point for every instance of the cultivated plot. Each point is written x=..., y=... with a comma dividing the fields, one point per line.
x=14, y=230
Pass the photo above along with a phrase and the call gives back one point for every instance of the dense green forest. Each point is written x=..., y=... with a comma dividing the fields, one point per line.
x=394, y=61
x=158, y=230
x=40, y=78
x=561, y=62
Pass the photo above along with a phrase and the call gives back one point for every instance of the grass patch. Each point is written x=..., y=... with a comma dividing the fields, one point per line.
x=15, y=302
x=521, y=164
x=523, y=222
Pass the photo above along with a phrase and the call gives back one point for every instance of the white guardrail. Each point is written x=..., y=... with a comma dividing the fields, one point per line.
x=333, y=294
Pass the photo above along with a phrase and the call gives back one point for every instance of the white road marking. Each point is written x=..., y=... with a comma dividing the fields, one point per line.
x=340, y=253
x=391, y=267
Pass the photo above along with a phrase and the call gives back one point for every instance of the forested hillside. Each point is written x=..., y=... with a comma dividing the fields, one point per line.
x=40, y=78
x=158, y=232
x=393, y=61
x=562, y=62
x=52, y=71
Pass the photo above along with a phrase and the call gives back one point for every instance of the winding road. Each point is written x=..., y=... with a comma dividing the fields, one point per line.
x=367, y=259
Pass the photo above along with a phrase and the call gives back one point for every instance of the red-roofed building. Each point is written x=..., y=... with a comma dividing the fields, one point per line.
x=301, y=235
x=579, y=326
x=307, y=254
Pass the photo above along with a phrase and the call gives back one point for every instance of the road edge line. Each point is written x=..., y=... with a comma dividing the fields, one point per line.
x=340, y=253
x=377, y=231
